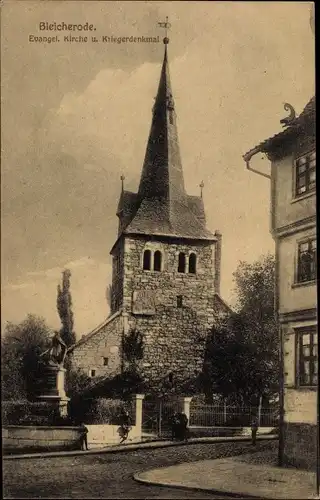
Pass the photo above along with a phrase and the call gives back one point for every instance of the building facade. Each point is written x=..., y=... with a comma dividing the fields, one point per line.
x=293, y=226
x=165, y=266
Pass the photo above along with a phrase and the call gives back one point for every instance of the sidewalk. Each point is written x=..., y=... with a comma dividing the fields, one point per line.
x=245, y=476
x=136, y=446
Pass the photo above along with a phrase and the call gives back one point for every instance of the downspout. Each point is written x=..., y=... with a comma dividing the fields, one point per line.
x=281, y=359
x=247, y=157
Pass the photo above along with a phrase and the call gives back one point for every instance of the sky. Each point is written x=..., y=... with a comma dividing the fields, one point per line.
x=76, y=117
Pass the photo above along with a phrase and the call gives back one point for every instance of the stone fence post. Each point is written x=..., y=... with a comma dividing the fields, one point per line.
x=139, y=402
x=186, y=401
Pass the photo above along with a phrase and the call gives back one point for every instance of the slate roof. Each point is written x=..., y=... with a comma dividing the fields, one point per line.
x=162, y=206
x=306, y=117
x=160, y=217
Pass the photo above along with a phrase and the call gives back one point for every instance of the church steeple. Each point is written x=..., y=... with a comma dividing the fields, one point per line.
x=162, y=175
x=162, y=207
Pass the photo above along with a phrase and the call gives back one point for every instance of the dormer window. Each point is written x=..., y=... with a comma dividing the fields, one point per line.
x=192, y=263
x=182, y=263
x=305, y=174
x=157, y=260
x=147, y=260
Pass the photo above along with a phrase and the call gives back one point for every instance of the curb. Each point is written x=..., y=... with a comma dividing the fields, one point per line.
x=179, y=486
x=139, y=446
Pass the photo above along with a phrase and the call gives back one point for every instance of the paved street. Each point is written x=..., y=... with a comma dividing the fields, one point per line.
x=108, y=475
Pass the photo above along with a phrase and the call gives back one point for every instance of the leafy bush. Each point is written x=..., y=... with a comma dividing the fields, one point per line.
x=31, y=413
x=100, y=410
x=21, y=346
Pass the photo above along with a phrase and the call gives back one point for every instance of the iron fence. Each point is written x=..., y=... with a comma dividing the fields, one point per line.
x=231, y=416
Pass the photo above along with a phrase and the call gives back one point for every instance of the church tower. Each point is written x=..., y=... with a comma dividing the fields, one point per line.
x=166, y=263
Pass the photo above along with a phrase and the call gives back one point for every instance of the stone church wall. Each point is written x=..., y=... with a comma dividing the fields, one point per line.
x=99, y=347
x=175, y=337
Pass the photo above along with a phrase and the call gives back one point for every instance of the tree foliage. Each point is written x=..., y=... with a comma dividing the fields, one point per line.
x=64, y=307
x=76, y=381
x=21, y=346
x=242, y=362
x=133, y=346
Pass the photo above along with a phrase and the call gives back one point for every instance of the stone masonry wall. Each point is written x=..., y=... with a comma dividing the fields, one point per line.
x=117, y=277
x=175, y=337
x=300, y=447
x=105, y=342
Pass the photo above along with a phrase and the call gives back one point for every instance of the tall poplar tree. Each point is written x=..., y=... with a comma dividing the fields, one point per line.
x=64, y=306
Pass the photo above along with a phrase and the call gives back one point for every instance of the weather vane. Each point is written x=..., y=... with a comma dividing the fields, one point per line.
x=201, y=186
x=122, y=178
x=166, y=25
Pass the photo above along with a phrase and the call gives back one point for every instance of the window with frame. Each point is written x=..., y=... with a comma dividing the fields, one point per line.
x=92, y=372
x=192, y=263
x=105, y=361
x=305, y=174
x=182, y=263
x=308, y=358
x=157, y=260
x=307, y=269
x=147, y=260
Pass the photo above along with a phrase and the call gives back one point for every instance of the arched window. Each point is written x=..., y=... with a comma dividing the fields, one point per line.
x=192, y=263
x=147, y=260
x=182, y=263
x=157, y=260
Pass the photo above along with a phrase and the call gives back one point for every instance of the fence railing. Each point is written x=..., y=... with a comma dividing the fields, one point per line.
x=222, y=415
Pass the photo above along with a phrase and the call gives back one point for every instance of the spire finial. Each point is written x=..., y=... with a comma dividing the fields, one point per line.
x=122, y=178
x=201, y=186
x=165, y=24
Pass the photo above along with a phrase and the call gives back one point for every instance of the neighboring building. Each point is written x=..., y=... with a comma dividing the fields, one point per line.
x=166, y=266
x=293, y=226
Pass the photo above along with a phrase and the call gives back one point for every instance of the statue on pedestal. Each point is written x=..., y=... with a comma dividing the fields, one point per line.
x=56, y=354
x=54, y=375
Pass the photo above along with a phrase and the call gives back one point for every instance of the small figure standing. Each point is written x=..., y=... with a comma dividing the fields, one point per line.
x=254, y=430
x=125, y=425
x=84, y=437
x=184, y=426
x=181, y=427
x=173, y=421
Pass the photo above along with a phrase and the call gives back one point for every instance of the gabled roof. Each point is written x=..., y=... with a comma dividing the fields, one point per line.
x=159, y=217
x=222, y=305
x=296, y=127
x=93, y=332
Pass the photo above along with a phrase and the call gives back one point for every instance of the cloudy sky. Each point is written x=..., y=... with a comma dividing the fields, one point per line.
x=76, y=116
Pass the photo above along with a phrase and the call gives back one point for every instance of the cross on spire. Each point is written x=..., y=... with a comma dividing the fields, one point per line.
x=201, y=186
x=166, y=25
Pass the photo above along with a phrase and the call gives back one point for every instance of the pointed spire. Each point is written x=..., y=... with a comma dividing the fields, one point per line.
x=162, y=175
x=162, y=207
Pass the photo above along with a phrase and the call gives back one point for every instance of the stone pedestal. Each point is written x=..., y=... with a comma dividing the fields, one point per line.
x=54, y=389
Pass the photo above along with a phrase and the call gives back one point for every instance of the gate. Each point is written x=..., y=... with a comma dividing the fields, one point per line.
x=156, y=417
